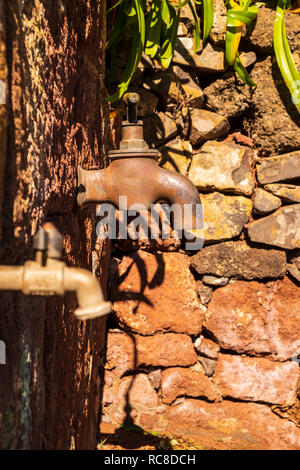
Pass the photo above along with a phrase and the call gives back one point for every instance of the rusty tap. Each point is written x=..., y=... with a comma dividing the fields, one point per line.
x=134, y=172
x=47, y=275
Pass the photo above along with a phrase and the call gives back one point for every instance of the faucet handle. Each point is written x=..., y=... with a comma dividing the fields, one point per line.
x=48, y=239
x=40, y=240
x=132, y=100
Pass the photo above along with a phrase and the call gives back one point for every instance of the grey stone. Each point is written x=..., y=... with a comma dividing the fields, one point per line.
x=215, y=281
x=264, y=202
x=159, y=128
x=205, y=125
x=193, y=94
x=287, y=192
x=224, y=216
x=240, y=261
x=218, y=31
x=204, y=293
x=210, y=60
x=279, y=168
x=222, y=166
x=294, y=271
x=176, y=155
x=208, y=365
x=248, y=58
x=282, y=228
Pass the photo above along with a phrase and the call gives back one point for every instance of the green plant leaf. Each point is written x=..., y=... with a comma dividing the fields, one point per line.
x=197, y=29
x=153, y=27
x=208, y=18
x=168, y=46
x=138, y=43
x=283, y=55
x=242, y=72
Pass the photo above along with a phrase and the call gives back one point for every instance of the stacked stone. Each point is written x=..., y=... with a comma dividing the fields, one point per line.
x=207, y=345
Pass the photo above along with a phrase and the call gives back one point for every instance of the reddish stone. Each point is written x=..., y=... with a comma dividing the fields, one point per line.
x=178, y=381
x=256, y=318
x=257, y=379
x=127, y=351
x=230, y=425
x=207, y=348
x=156, y=292
x=131, y=396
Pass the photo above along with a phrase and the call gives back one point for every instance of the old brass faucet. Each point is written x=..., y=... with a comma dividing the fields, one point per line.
x=47, y=275
x=134, y=173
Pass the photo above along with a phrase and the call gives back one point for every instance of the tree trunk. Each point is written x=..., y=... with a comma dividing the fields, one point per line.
x=52, y=59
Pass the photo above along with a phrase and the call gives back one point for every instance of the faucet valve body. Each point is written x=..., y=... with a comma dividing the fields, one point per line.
x=134, y=173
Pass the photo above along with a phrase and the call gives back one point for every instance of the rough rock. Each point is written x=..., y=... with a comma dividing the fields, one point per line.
x=208, y=365
x=239, y=260
x=257, y=319
x=279, y=168
x=161, y=83
x=228, y=96
x=261, y=36
x=205, y=125
x=176, y=156
x=287, y=192
x=218, y=31
x=207, y=348
x=282, y=228
x=257, y=379
x=231, y=426
x=178, y=381
x=224, y=216
x=194, y=95
x=159, y=128
x=294, y=271
x=145, y=285
x=264, y=202
x=295, y=258
x=215, y=281
x=222, y=166
x=210, y=60
x=248, y=58
x=204, y=292
x=270, y=99
x=131, y=396
x=155, y=378
x=126, y=351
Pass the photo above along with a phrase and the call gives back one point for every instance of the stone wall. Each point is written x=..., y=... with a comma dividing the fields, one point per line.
x=204, y=345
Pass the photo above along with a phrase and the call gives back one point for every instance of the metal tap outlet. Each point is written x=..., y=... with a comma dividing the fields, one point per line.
x=47, y=275
x=133, y=172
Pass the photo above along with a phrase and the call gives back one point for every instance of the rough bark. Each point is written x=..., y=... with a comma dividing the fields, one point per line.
x=49, y=387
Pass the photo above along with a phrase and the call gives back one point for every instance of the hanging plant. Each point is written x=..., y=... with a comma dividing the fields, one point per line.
x=154, y=29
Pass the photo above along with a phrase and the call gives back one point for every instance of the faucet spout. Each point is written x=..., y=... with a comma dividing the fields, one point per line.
x=53, y=277
x=89, y=293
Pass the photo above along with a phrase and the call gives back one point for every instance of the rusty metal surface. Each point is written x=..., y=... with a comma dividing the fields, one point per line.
x=133, y=172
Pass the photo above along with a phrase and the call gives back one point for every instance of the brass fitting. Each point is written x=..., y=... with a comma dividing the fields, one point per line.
x=47, y=275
